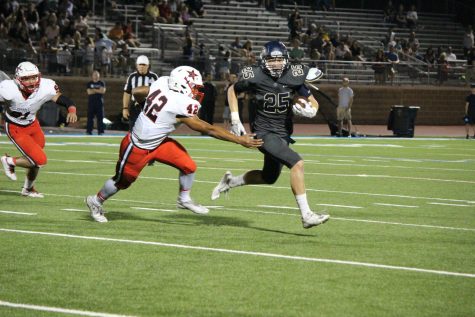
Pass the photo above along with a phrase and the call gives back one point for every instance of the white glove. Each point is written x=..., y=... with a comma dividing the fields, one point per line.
x=236, y=126
x=308, y=111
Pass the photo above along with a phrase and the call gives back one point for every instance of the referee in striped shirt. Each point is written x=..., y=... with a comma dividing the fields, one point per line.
x=142, y=77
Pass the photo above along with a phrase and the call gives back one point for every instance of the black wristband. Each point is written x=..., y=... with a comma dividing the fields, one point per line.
x=64, y=101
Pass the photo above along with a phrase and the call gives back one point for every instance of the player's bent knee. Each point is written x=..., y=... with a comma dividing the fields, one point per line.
x=40, y=161
x=189, y=168
x=270, y=178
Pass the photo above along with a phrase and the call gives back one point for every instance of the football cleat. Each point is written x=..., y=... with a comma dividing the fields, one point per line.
x=312, y=220
x=97, y=213
x=222, y=187
x=191, y=205
x=8, y=168
x=31, y=192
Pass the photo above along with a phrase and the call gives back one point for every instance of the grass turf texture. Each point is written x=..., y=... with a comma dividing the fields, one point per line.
x=432, y=181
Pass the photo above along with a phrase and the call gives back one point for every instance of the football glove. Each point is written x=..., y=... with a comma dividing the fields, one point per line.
x=236, y=126
x=308, y=111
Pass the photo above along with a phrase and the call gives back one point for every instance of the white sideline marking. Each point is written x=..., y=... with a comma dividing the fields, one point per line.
x=60, y=310
x=73, y=209
x=444, y=204
x=263, y=254
x=394, y=205
x=18, y=213
x=357, y=220
x=402, y=224
x=341, y=206
x=154, y=209
x=277, y=207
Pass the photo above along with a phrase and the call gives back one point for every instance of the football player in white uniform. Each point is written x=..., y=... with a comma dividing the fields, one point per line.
x=23, y=97
x=170, y=100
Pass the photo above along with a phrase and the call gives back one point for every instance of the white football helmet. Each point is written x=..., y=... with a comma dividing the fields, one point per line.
x=27, y=77
x=186, y=80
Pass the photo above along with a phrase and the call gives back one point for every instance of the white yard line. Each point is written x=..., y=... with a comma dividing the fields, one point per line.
x=18, y=213
x=154, y=209
x=445, y=204
x=243, y=252
x=394, y=205
x=59, y=310
x=340, y=206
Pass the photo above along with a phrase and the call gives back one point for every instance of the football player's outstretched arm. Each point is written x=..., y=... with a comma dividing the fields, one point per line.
x=236, y=126
x=140, y=93
x=217, y=132
x=64, y=101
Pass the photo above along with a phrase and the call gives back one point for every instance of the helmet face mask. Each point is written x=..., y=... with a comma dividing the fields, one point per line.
x=188, y=81
x=274, y=58
x=27, y=77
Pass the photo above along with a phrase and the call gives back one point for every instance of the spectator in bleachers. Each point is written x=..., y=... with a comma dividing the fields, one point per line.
x=393, y=58
x=89, y=49
x=123, y=59
x=400, y=17
x=152, y=13
x=129, y=36
x=80, y=24
x=295, y=24
x=413, y=42
x=236, y=44
x=379, y=68
x=165, y=11
x=66, y=7
x=188, y=46
x=82, y=8
x=406, y=52
x=451, y=57
x=470, y=70
x=442, y=69
x=223, y=61
x=429, y=56
x=317, y=43
x=296, y=53
x=32, y=19
x=64, y=58
x=106, y=54
x=3, y=30
x=185, y=16
x=468, y=40
x=342, y=52
x=329, y=52
x=356, y=51
x=311, y=33
x=52, y=30
x=412, y=18
x=247, y=53
x=78, y=53
x=196, y=8
x=389, y=13
x=116, y=33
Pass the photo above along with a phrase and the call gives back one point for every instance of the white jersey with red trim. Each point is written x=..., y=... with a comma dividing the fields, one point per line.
x=159, y=116
x=23, y=111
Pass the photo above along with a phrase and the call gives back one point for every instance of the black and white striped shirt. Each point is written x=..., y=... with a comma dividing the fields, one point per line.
x=136, y=80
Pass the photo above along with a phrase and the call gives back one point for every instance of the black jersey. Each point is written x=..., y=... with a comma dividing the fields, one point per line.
x=273, y=96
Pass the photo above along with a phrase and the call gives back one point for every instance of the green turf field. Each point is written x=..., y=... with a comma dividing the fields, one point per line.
x=401, y=240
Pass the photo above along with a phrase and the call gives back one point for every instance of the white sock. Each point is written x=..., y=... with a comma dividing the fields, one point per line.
x=109, y=189
x=303, y=204
x=237, y=181
x=28, y=184
x=186, y=181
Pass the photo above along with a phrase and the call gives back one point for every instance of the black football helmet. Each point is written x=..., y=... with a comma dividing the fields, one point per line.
x=274, y=58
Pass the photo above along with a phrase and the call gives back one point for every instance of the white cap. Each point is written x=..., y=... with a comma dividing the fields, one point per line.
x=142, y=59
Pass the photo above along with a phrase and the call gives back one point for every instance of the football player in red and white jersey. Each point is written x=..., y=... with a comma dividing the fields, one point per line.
x=170, y=100
x=23, y=97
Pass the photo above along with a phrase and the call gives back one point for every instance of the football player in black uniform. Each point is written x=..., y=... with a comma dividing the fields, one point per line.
x=274, y=83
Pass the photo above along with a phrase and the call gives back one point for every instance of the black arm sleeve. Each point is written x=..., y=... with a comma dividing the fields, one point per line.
x=64, y=101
